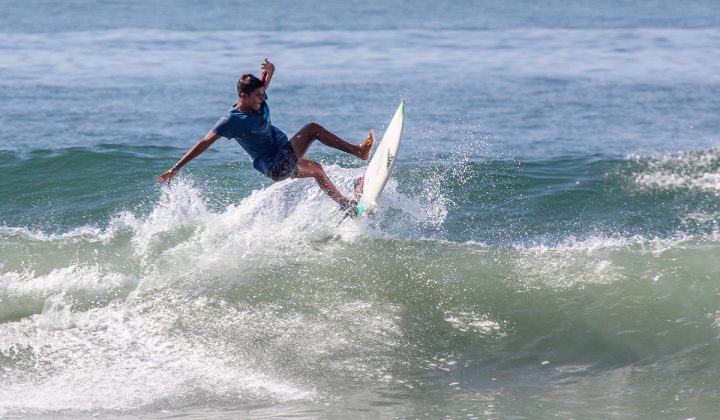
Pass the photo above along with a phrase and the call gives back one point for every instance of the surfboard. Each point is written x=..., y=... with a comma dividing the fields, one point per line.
x=370, y=186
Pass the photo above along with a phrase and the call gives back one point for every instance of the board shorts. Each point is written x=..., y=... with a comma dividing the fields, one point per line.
x=285, y=164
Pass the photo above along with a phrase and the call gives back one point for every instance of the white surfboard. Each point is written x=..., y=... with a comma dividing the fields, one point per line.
x=381, y=165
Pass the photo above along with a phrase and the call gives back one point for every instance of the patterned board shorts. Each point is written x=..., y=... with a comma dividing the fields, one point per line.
x=285, y=164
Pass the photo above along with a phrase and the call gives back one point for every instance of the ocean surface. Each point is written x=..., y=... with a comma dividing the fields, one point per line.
x=548, y=245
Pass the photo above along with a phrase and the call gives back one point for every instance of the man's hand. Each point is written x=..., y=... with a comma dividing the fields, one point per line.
x=191, y=154
x=267, y=67
x=167, y=175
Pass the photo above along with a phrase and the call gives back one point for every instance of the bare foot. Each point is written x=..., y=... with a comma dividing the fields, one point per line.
x=366, y=146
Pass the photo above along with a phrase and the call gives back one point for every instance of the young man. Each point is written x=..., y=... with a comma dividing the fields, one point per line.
x=248, y=122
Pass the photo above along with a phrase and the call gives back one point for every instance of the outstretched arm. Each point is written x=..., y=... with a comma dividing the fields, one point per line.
x=266, y=72
x=194, y=152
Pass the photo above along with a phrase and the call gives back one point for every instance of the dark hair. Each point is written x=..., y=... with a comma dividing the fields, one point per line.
x=248, y=83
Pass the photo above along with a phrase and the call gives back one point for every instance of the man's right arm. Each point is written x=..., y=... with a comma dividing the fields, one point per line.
x=191, y=154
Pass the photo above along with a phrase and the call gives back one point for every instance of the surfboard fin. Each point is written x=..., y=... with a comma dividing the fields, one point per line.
x=349, y=209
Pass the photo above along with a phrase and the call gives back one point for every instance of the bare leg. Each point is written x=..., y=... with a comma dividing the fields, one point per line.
x=312, y=131
x=310, y=168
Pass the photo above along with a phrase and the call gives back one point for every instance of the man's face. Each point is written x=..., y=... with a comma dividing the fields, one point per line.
x=254, y=99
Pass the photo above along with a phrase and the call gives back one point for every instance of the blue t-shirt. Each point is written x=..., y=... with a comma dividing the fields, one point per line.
x=253, y=130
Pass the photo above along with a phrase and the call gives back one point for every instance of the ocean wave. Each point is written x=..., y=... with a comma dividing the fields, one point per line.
x=642, y=54
x=181, y=237
x=264, y=301
x=208, y=319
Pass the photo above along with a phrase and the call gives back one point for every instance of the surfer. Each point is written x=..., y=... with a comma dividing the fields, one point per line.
x=248, y=122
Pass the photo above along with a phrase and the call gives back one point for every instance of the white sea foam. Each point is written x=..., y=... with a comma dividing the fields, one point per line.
x=472, y=322
x=601, y=259
x=181, y=237
x=122, y=357
x=707, y=182
x=694, y=171
x=26, y=293
x=122, y=316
